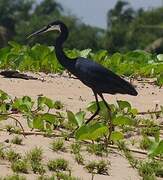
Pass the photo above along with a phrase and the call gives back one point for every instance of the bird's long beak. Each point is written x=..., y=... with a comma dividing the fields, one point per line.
x=41, y=31
x=45, y=29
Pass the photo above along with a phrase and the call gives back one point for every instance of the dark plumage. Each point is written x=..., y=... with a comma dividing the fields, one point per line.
x=92, y=74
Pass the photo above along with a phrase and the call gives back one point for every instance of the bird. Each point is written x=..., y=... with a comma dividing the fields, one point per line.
x=100, y=79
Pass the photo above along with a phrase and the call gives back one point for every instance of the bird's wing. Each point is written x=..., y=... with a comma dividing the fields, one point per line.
x=98, y=77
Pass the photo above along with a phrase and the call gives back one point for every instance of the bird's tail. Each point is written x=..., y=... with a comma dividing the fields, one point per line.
x=133, y=92
x=131, y=89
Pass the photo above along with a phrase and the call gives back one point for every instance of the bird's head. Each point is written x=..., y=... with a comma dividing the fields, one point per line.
x=54, y=26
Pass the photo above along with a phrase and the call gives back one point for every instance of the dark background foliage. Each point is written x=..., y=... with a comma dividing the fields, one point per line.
x=127, y=29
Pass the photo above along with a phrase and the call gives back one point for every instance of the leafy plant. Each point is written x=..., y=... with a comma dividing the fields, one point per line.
x=17, y=140
x=20, y=166
x=12, y=156
x=156, y=148
x=58, y=165
x=97, y=149
x=42, y=58
x=14, y=177
x=58, y=145
x=76, y=148
x=12, y=129
x=150, y=131
x=99, y=167
x=145, y=143
x=37, y=167
x=150, y=168
x=2, y=153
x=79, y=158
x=35, y=155
x=77, y=119
x=91, y=131
x=61, y=175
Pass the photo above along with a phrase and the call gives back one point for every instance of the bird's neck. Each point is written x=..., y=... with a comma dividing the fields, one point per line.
x=62, y=58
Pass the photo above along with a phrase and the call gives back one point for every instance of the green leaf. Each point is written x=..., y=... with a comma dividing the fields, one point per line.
x=30, y=123
x=76, y=119
x=98, y=130
x=24, y=108
x=116, y=136
x=91, y=132
x=82, y=133
x=139, y=56
x=26, y=99
x=4, y=96
x=71, y=118
x=50, y=103
x=80, y=118
x=100, y=56
x=84, y=53
x=92, y=107
x=133, y=111
x=38, y=123
x=5, y=107
x=124, y=104
x=122, y=120
x=51, y=118
x=159, y=149
x=24, y=104
x=156, y=148
x=44, y=101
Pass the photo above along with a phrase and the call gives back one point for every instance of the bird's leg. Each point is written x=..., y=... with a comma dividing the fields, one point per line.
x=111, y=127
x=97, y=110
x=95, y=114
x=106, y=104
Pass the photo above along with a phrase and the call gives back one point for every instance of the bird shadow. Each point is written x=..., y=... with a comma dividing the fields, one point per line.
x=16, y=75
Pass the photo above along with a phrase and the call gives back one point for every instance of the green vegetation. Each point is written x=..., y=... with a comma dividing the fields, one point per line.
x=14, y=177
x=11, y=155
x=97, y=149
x=151, y=169
x=37, y=167
x=127, y=28
x=12, y=129
x=99, y=167
x=28, y=15
x=20, y=166
x=59, y=175
x=145, y=143
x=76, y=148
x=41, y=114
x=35, y=155
x=17, y=140
x=42, y=58
x=79, y=159
x=58, y=145
x=58, y=165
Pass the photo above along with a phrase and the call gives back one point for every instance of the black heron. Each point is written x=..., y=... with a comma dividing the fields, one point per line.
x=92, y=74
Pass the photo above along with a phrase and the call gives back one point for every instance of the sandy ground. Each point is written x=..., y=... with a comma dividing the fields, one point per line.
x=75, y=96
